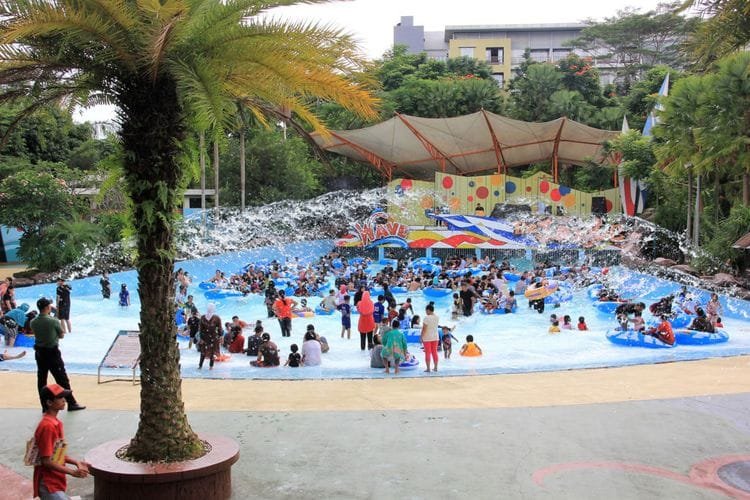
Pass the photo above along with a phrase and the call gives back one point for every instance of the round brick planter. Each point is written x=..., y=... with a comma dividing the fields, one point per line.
x=206, y=477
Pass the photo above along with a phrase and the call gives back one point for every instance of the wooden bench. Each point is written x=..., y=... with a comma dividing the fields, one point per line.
x=124, y=353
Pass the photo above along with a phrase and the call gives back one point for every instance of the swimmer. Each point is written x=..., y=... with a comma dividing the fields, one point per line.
x=582, y=326
x=470, y=349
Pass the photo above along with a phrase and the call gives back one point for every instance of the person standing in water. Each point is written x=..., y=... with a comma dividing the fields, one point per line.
x=106, y=286
x=210, y=336
x=430, y=336
x=63, y=305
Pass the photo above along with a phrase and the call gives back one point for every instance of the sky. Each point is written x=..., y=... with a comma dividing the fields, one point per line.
x=371, y=22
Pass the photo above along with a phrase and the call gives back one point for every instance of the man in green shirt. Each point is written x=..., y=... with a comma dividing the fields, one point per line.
x=47, y=333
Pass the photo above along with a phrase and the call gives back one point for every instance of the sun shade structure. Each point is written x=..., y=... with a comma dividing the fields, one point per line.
x=416, y=148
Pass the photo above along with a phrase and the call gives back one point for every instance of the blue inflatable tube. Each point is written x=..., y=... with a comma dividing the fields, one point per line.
x=388, y=262
x=413, y=335
x=550, y=272
x=399, y=289
x=336, y=263
x=24, y=340
x=694, y=337
x=631, y=338
x=280, y=281
x=222, y=294
x=437, y=292
x=206, y=285
x=607, y=307
x=511, y=276
x=410, y=364
x=322, y=312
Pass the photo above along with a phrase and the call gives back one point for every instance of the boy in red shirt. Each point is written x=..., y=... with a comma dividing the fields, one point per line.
x=662, y=332
x=49, y=476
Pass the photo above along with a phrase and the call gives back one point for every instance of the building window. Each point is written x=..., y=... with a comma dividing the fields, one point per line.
x=495, y=55
x=466, y=51
x=559, y=54
x=540, y=55
x=499, y=78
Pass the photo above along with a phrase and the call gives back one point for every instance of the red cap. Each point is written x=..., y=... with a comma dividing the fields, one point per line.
x=53, y=391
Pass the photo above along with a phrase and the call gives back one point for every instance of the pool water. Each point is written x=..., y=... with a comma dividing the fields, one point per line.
x=512, y=343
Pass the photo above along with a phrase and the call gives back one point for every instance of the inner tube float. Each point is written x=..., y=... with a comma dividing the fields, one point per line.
x=606, y=306
x=206, y=285
x=409, y=364
x=413, y=335
x=399, y=289
x=550, y=272
x=223, y=293
x=303, y=314
x=437, y=292
x=694, y=337
x=322, y=312
x=23, y=340
x=540, y=293
x=509, y=276
x=631, y=338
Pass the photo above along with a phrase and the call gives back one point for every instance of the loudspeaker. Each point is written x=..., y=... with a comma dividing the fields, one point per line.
x=598, y=205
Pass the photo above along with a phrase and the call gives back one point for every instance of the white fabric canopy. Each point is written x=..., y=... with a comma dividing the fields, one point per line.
x=418, y=147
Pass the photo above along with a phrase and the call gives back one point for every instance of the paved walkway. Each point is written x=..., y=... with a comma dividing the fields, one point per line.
x=661, y=431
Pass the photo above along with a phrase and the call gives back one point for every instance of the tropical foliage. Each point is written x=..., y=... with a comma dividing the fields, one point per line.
x=169, y=66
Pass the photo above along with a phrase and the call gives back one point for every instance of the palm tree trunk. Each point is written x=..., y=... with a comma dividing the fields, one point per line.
x=242, y=168
x=151, y=130
x=717, y=189
x=746, y=189
x=216, y=174
x=202, y=147
x=689, y=229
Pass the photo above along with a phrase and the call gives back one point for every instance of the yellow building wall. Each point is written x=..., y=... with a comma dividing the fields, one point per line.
x=480, y=52
x=408, y=199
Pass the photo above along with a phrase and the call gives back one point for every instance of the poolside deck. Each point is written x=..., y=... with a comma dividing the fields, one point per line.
x=656, y=431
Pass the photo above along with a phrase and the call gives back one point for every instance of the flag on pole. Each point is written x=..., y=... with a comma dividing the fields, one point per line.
x=628, y=185
x=633, y=191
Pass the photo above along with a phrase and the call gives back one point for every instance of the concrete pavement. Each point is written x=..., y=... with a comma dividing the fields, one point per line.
x=514, y=436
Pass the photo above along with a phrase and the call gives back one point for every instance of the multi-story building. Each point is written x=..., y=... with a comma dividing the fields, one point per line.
x=501, y=45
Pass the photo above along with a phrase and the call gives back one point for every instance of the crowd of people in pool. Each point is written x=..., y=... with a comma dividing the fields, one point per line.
x=475, y=284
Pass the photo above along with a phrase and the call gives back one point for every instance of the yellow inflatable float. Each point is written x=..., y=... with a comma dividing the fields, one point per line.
x=538, y=291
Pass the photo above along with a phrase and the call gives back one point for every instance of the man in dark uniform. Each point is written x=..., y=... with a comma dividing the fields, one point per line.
x=47, y=334
x=63, y=305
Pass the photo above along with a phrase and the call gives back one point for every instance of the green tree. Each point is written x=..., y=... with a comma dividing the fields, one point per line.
x=446, y=98
x=167, y=65
x=49, y=134
x=643, y=95
x=295, y=173
x=465, y=66
x=636, y=41
x=579, y=75
x=637, y=153
x=530, y=92
x=40, y=201
x=724, y=29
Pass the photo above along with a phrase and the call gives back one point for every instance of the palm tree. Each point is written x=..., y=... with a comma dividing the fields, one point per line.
x=167, y=64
